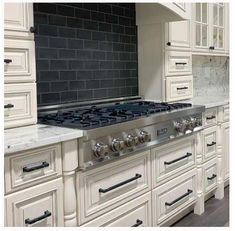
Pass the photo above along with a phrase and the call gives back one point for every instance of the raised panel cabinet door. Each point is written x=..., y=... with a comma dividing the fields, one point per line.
x=38, y=206
x=210, y=143
x=18, y=20
x=225, y=148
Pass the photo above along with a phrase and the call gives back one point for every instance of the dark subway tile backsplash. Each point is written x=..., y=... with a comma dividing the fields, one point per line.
x=85, y=51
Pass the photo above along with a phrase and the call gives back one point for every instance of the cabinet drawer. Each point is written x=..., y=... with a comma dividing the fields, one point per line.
x=210, y=142
x=178, y=63
x=136, y=213
x=173, y=196
x=171, y=159
x=210, y=173
x=29, y=168
x=179, y=88
x=210, y=117
x=19, y=61
x=109, y=186
x=19, y=104
x=40, y=206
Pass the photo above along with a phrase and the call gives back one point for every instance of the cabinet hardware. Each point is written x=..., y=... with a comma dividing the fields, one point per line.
x=210, y=117
x=7, y=61
x=178, y=159
x=34, y=220
x=44, y=164
x=211, y=47
x=179, y=198
x=32, y=29
x=179, y=63
x=168, y=43
x=138, y=223
x=212, y=177
x=9, y=105
x=182, y=88
x=211, y=144
x=120, y=184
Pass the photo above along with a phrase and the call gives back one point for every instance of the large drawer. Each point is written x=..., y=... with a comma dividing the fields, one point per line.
x=178, y=63
x=210, y=142
x=19, y=104
x=39, y=206
x=210, y=117
x=179, y=88
x=173, y=196
x=32, y=167
x=19, y=61
x=171, y=159
x=104, y=188
x=136, y=213
x=210, y=174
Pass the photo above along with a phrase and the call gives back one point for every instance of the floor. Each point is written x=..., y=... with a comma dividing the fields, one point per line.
x=216, y=214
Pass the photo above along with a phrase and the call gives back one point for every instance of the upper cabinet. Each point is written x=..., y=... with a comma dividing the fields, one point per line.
x=209, y=27
x=18, y=20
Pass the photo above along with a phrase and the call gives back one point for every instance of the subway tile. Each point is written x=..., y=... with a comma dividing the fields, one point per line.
x=105, y=8
x=75, y=44
x=67, y=53
x=76, y=85
x=92, y=84
x=49, y=75
x=100, y=93
x=117, y=10
x=43, y=87
x=97, y=16
x=68, y=96
x=57, y=43
x=111, y=18
x=82, y=13
x=98, y=55
x=50, y=98
x=58, y=64
x=76, y=64
x=83, y=34
x=106, y=65
x=89, y=44
x=59, y=86
x=67, y=32
x=47, y=30
x=65, y=10
x=91, y=64
x=48, y=53
x=67, y=75
x=105, y=27
x=40, y=18
x=84, y=95
x=83, y=54
x=112, y=56
x=57, y=20
x=98, y=36
x=84, y=75
x=46, y=8
x=42, y=64
x=74, y=22
x=90, y=25
x=41, y=41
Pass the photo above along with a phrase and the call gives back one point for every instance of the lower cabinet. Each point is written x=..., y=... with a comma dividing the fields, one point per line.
x=136, y=213
x=38, y=206
x=210, y=175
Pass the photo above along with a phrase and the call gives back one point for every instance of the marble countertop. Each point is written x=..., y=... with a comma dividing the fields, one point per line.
x=33, y=136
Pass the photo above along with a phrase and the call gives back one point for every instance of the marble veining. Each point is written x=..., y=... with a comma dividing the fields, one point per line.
x=33, y=136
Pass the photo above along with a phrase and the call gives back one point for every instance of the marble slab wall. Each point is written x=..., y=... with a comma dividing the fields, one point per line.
x=211, y=76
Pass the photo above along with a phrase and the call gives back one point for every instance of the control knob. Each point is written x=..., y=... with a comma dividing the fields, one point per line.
x=131, y=140
x=100, y=150
x=117, y=145
x=144, y=136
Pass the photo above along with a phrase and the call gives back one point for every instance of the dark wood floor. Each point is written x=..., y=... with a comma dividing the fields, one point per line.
x=216, y=214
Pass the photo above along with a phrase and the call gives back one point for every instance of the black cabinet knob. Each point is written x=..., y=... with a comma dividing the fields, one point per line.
x=9, y=105
x=7, y=61
x=32, y=29
x=211, y=47
x=168, y=43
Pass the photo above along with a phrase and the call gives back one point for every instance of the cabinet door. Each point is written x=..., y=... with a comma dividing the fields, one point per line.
x=178, y=35
x=18, y=18
x=201, y=26
x=225, y=148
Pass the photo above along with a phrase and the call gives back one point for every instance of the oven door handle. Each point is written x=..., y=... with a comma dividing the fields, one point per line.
x=101, y=190
x=179, y=198
x=178, y=159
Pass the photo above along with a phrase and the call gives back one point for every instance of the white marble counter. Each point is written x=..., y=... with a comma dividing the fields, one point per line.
x=33, y=136
x=210, y=102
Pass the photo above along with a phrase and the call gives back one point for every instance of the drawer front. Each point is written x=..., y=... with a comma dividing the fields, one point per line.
x=210, y=143
x=171, y=197
x=178, y=63
x=179, y=88
x=19, y=61
x=40, y=206
x=171, y=159
x=136, y=213
x=210, y=173
x=31, y=167
x=19, y=104
x=210, y=117
x=109, y=186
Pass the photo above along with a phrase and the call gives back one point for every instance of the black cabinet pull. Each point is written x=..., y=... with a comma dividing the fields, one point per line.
x=138, y=223
x=120, y=184
x=34, y=220
x=212, y=177
x=168, y=43
x=7, y=61
x=44, y=164
x=182, y=88
x=178, y=159
x=212, y=143
x=9, y=105
x=178, y=63
x=32, y=29
x=210, y=117
x=179, y=198
x=211, y=47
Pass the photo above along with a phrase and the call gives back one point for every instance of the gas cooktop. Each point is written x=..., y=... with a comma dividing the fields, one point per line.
x=91, y=117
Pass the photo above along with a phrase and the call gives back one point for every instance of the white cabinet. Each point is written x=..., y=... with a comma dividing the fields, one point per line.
x=41, y=206
x=210, y=143
x=210, y=175
x=18, y=19
x=225, y=149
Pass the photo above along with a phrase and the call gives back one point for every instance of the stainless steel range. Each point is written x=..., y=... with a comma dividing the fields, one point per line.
x=123, y=127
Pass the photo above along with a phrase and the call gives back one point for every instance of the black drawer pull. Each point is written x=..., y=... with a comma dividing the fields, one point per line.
x=180, y=63
x=182, y=88
x=212, y=177
x=44, y=164
x=7, y=61
x=9, y=105
x=211, y=47
x=138, y=223
x=168, y=43
x=120, y=184
x=179, y=198
x=32, y=29
x=178, y=159
x=210, y=117
x=212, y=143
x=34, y=220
